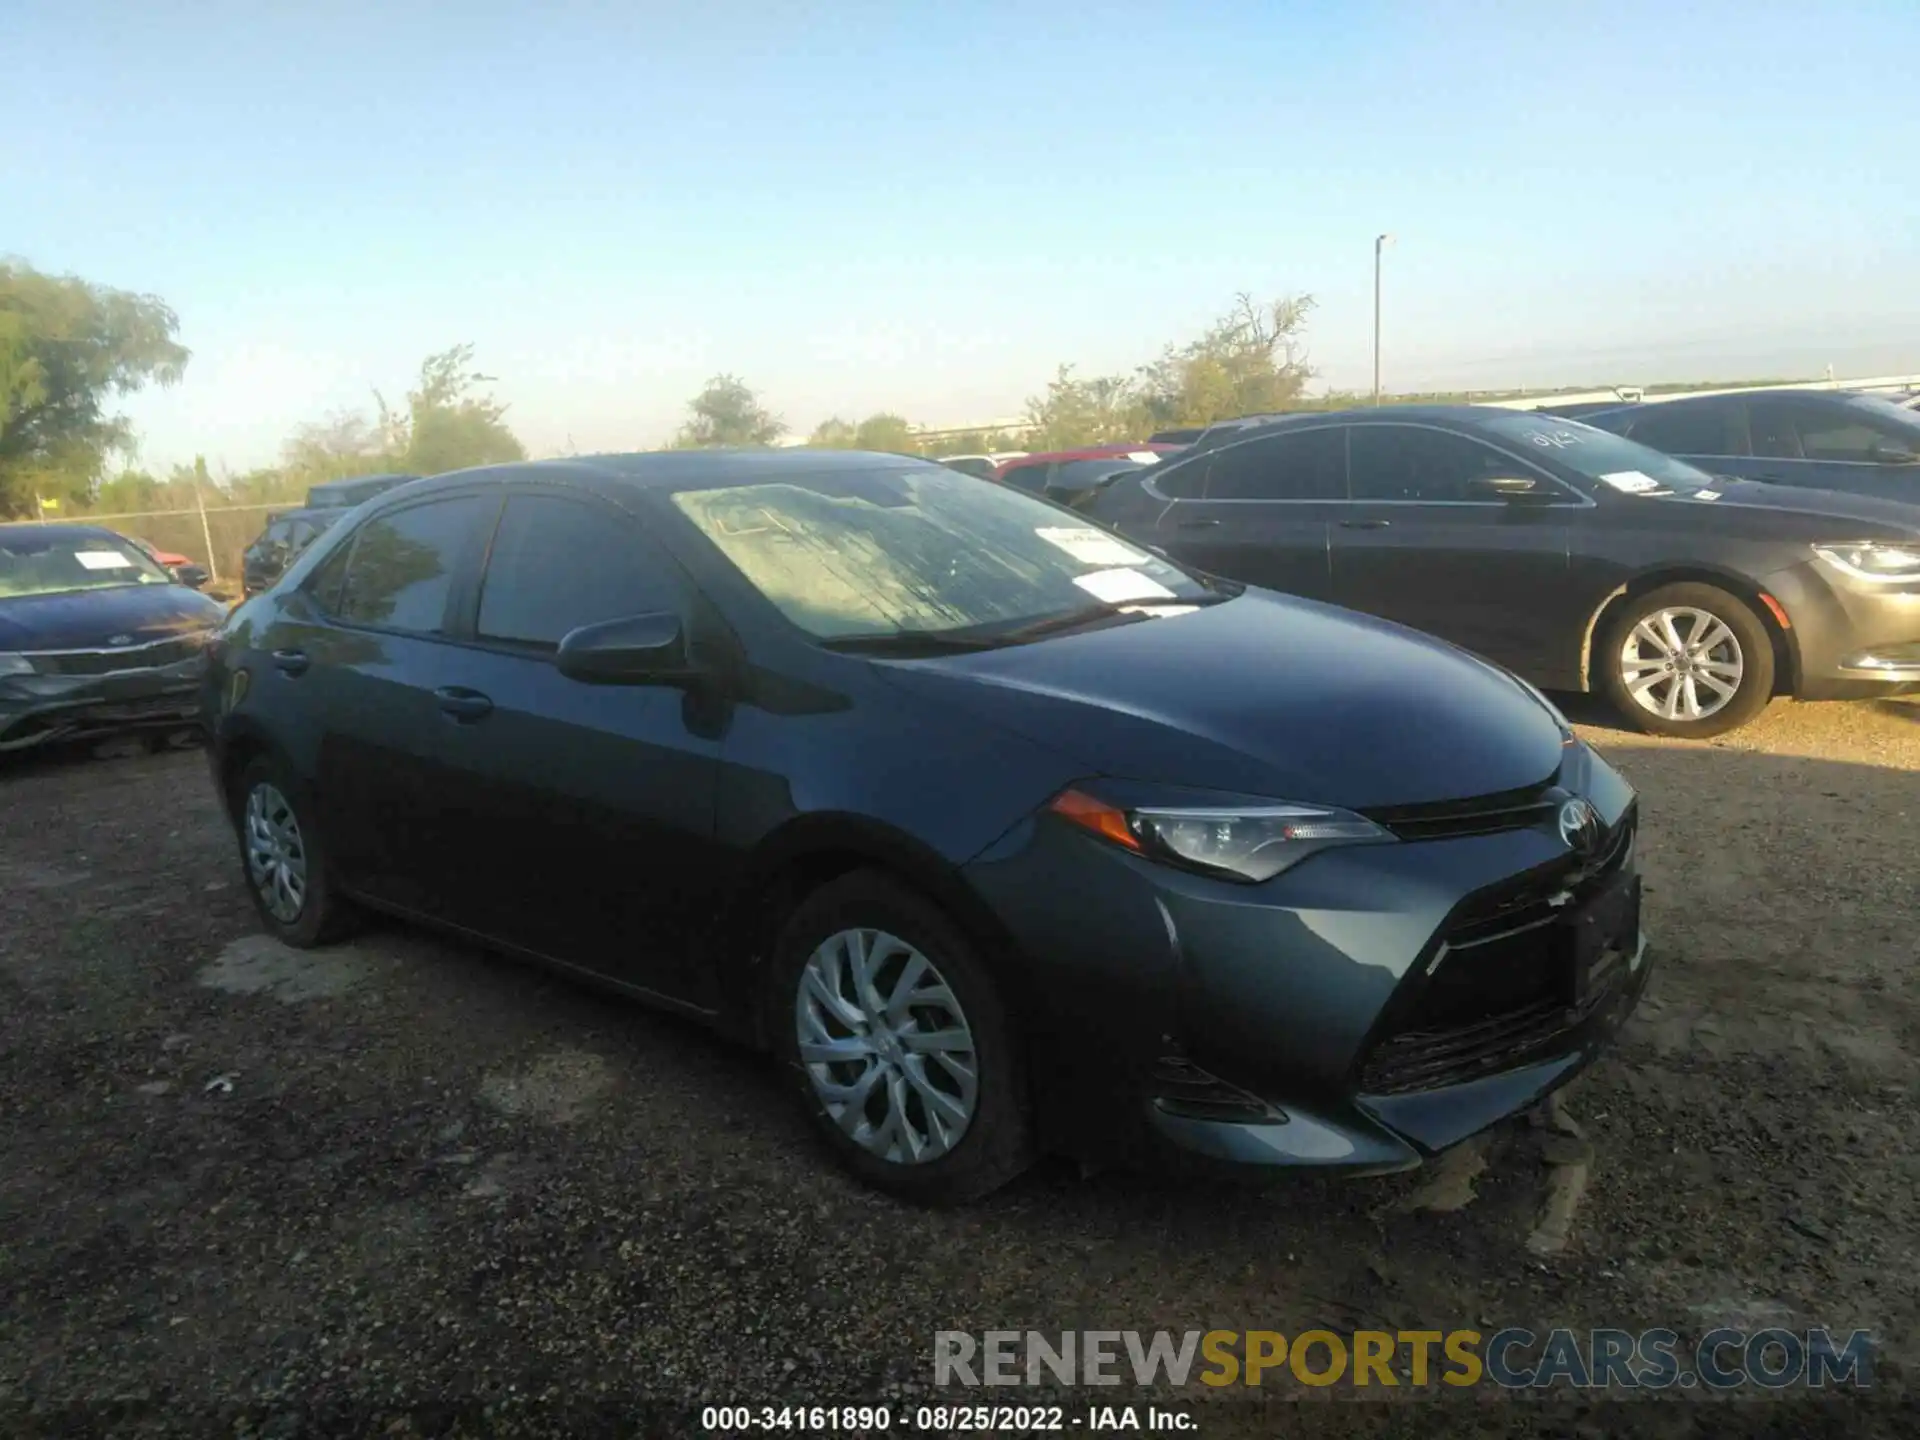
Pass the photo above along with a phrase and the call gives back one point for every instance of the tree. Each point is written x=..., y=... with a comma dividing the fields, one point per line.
x=1075, y=412
x=447, y=426
x=1249, y=362
x=67, y=349
x=342, y=445
x=884, y=431
x=727, y=412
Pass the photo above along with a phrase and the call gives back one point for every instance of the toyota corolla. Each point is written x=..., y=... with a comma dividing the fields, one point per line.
x=1004, y=834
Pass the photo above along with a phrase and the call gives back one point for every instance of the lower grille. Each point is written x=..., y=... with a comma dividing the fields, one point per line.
x=1503, y=992
x=1184, y=1088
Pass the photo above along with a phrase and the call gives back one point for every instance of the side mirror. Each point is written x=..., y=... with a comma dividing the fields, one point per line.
x=191, y=576
x=1512, y=488
x=639, y=650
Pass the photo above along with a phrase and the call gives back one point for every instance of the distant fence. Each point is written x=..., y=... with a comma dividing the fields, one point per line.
x=213, y=537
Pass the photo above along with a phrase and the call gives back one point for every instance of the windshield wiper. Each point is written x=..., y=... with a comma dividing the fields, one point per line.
x=1131, y=610
x=907, y=642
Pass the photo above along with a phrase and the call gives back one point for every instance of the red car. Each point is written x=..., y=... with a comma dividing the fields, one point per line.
x=1031, y=472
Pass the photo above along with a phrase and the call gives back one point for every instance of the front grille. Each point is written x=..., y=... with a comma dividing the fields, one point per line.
x=126, y=657
x=1501, y=992
x=1185, y=1089
x=1482, y=815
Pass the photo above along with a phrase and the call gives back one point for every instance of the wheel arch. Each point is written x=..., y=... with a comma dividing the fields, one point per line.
x=1786, y=651
x=240, y=744
x=813, y=850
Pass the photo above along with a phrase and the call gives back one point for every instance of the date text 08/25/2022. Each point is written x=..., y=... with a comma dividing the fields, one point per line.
x=940, y=1419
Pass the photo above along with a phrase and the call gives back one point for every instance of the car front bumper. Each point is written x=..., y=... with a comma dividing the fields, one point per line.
x=1366, y=1009
x=1853, y=639
x=39, y=709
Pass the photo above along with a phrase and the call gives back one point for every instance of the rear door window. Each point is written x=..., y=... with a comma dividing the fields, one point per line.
x=1688, y=429
x=1300, y=465
x=1409, y=464
x=400, y=572
x=557, y=564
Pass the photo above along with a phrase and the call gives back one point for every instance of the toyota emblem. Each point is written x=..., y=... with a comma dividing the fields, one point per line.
x=1580, y=827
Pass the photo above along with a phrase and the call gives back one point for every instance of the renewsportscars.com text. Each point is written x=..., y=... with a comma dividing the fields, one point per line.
x=1512, y=1358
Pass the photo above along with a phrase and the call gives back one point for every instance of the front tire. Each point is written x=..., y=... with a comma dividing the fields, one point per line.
x=284, y=860
x=898, y=1045
x=1687, y=660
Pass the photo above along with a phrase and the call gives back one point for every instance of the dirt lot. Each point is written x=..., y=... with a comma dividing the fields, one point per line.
x=403, y=1187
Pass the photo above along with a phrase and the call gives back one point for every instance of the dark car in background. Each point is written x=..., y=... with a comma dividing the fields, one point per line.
x=1576, y=558
x=1814, y=439
x=810, y=745
x=1037, y=472
x=94, y=637
x=289, y=533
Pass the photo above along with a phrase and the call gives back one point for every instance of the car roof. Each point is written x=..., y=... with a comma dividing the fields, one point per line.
x=62, y=530
x=1090, y=452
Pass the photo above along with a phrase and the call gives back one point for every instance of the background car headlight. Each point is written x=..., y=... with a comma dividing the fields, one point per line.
x=1239, y=842
x=1873, y=559
x=11, y=664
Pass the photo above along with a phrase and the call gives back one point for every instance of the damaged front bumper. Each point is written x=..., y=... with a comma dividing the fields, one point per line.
x=38, y=709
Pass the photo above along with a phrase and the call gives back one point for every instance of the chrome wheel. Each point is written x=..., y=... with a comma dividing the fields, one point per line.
x=276, y=853
x=1682, y=664
x=887, y=1046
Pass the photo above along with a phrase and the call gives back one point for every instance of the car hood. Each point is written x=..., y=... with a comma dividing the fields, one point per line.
x=94, y=619
x=1817, y=504
x=1263, y=695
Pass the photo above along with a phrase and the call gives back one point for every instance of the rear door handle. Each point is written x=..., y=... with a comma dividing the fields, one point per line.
x=463, y=704
x=1365, y=524
x=291, y=662
x=1195, y=524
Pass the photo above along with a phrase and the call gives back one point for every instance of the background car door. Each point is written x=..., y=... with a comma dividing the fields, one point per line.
x=1258, y=510
x=368, y=669
x=1709, y=433
x=1830, y=444
x=1419, y=545
x=586, y=811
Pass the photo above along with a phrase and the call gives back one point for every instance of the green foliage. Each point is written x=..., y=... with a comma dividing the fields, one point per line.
x=727, y=412
x=887, y=432
x=67, y=349
x=447, y=425
x=1074, y=412
x=976, y=442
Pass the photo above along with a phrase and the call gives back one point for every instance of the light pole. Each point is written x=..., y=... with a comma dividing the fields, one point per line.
x=1380, y=243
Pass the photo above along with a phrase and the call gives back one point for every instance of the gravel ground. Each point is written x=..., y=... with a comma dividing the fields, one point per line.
x=404, y=1188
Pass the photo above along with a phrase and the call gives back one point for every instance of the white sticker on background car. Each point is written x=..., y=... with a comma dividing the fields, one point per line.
x=103, y=559
x=1632, y=482
x=1117, y=587
x=1092, y=547
x=1706, y=494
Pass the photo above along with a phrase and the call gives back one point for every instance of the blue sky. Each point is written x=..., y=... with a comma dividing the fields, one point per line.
x=924, y=207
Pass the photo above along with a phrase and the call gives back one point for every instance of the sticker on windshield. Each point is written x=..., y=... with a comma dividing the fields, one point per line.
x=1706, y=494
x=1094, y=547
x=1144, y=457
x=103, y=559
x=1117, y=587
x=1631, y=482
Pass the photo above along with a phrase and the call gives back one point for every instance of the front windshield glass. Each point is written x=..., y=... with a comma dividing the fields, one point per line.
x=1901, y=417
x=925, y=551
x=36, y=562
x=1597, y=455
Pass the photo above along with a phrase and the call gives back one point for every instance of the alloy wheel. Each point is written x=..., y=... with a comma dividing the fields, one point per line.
x=1682, y=663
x=276, y=853
x=886, y=1046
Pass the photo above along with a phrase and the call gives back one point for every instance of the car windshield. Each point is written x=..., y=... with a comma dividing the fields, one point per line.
x=927, y=553
x=1598, y=456
x=1899, y=415
x=35, y=563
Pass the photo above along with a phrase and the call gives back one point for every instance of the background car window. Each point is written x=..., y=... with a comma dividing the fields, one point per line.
x=1823, y=432
x=559, y=564
x=401, y=569
x=1184, y=481
x=1310, y=465
x=1030, y=478
x=1687, y=429
x=1402, y=462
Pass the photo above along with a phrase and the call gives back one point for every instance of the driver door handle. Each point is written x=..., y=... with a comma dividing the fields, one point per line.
x=1365, y=524
x=463, y=704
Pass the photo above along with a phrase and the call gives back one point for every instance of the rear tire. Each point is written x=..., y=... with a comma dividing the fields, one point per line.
x=924, y=1097
x=1687, y=660
x=284, y=860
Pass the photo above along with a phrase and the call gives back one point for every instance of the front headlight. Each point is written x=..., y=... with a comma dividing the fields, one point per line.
x=1872, y=559
x=1237, y=842
x=12, y=664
